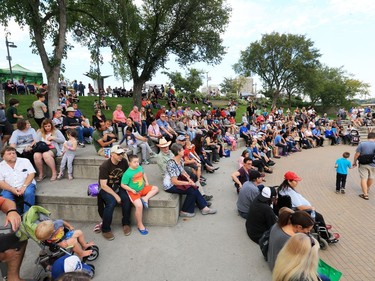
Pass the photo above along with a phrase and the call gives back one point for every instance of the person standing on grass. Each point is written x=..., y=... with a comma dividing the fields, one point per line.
x=40, y=109
x=12, y=113
x=342, y=165
x=364, y=154
x=135, y=182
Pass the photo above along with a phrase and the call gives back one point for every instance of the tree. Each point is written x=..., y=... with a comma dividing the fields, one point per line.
x=333, y=87
x=277, y=60
x=190, y=84
x=46, y=20
x=146, y=35
x=232, y=85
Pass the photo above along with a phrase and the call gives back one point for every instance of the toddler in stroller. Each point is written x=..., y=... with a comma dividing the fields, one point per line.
x=50, y=252
x=354, y=137
x=64, y=235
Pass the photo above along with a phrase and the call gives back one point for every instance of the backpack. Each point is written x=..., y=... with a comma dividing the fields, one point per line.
x=30, y=113
x=264, y=243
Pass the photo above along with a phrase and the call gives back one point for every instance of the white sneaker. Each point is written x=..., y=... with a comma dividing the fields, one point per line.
x=145, y=162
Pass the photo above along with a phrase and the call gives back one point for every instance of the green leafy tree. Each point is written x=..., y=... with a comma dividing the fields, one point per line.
x=47, y=21
x=146, y=35
x=333, y=87
x=277, y=59
x=190, y=83
x=233, y=85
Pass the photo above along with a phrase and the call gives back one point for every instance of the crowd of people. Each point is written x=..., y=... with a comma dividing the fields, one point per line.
x=188, y=141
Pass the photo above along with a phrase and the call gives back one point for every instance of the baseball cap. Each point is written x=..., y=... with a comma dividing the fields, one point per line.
x=117, y=149
x=181, y=138
x=267, y=193
x=291, y=176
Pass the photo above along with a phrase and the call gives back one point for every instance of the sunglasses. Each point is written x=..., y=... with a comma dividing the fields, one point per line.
x=120, y=153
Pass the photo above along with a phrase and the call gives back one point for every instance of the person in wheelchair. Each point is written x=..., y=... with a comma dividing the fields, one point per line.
x=298, y=202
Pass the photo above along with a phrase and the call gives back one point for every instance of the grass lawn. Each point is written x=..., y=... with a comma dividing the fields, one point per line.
x=86, y=105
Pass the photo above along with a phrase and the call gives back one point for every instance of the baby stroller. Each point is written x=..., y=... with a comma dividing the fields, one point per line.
x=50, y=252
x=320, y=232
x=354, y=137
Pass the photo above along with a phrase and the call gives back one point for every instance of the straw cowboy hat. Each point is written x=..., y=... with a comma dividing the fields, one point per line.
x=163, y=143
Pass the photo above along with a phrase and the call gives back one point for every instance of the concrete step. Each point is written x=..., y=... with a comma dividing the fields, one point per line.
x=69, y=200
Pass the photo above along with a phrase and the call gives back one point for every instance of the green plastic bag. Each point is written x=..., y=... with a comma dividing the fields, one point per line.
x=329, y=271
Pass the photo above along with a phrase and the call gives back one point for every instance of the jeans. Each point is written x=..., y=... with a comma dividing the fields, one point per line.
x=192, y=196
x=340, y=181
x=144, y=128
x=28, y=196
x=109, y=206
x=82, y=132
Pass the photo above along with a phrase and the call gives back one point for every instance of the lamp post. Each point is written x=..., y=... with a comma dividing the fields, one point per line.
x=9, y=58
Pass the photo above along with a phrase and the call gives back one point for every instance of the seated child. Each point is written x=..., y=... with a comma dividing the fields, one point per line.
x=53, y=232
x=231, y=140
x=135, y=182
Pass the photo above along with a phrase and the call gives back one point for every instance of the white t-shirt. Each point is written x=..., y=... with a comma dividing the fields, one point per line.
x=22, y=139
x=297, y=199
x=16, y=176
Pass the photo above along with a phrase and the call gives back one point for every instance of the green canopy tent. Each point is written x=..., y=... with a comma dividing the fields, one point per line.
x=18, y=71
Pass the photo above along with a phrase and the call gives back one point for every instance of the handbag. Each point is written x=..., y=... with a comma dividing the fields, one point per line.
x=40, y=147
x=181, y=177
x=93, y=190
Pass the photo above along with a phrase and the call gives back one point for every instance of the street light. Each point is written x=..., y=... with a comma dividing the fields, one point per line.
x=9, y=58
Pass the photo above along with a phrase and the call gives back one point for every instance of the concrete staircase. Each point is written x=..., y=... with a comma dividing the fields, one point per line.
x=69, y=200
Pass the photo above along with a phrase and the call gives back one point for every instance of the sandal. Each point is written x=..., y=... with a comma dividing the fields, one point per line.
x=98, y=227
x=363, y=196
x=39, y=179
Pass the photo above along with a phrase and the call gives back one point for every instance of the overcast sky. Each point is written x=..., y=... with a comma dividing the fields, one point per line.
x=343, y=31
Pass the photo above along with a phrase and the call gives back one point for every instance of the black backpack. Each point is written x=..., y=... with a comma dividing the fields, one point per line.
x=264, y=243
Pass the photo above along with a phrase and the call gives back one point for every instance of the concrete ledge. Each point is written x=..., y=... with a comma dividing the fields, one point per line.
x=69, y=200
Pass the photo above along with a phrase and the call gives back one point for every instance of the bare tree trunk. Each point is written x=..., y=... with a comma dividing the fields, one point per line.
x=137, y=91
x=53, y=90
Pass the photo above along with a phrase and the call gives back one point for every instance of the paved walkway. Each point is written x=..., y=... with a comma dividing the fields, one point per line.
x=217, y=247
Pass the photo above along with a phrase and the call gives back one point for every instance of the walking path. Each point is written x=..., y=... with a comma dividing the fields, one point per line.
x=217, y=247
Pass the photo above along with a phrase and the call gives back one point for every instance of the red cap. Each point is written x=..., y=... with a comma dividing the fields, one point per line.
x=291, y=176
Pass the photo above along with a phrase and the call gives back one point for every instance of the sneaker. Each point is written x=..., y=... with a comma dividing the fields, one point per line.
x=203, y=183
x=127, y=230
x=60, y=176
x=186, y=215
x=81, y=144
x=207, y=197
x=209, y=212
x=145, y=162
x=337, y=191
x=342, y=191
x=108, y=235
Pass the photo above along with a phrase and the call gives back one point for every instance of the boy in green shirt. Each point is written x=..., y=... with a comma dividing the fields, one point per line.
x=135, y=182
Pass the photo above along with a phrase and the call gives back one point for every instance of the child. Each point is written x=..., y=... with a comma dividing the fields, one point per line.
x=53, y=232
x=135, y=182
x=342, y=165
x=231, y=140
x=69, y=150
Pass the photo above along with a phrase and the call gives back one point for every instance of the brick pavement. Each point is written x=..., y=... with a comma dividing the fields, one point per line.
x=350, y=215
x=204, y=248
